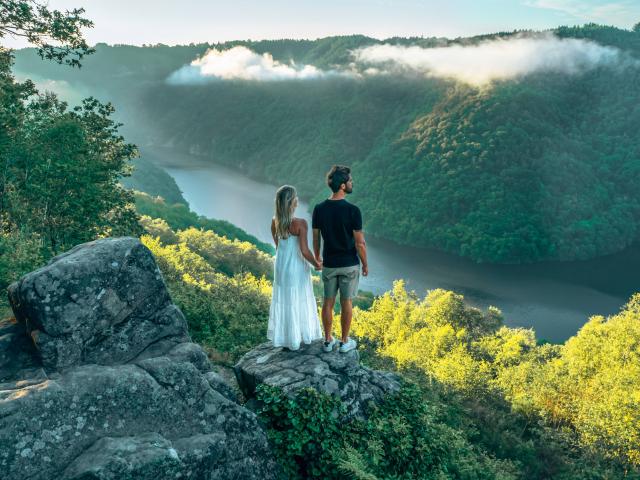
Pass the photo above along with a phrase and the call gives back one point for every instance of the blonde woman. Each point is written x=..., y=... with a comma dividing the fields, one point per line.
x=293, y=316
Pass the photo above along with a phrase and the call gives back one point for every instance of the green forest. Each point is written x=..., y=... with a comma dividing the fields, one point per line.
x=479, y=401
x=544, y=167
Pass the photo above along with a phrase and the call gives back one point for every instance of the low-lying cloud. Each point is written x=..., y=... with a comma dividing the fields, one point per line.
x=495, y=59
x=491, y=60
x=240, y=63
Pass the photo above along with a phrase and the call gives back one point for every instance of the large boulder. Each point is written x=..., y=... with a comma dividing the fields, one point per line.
x=334, y=373
x=98, y=379
x=101, y=302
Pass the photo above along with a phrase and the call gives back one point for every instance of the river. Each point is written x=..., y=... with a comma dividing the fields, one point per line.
x=555, y=299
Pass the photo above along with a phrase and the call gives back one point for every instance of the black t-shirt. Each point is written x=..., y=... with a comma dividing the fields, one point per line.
x=336, y=220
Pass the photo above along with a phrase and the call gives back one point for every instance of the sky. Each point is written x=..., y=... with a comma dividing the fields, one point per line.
x=173, y=22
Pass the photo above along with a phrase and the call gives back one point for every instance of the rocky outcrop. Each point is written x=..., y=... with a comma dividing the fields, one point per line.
x=98, y=379
x=102, y=302
x=333, y=373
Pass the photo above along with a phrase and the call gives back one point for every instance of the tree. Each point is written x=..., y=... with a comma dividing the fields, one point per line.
x=636, y=27
x=65, y=174
x=57, y=35
x=59, y=168
x=39, y=26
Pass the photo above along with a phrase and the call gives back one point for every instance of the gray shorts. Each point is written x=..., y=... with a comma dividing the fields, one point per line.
x=343, y=278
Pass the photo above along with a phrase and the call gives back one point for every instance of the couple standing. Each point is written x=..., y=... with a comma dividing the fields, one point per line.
x=337, y=224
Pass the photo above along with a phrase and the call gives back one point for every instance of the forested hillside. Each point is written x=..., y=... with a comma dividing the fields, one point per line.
x=540, y=167
x=149, y=178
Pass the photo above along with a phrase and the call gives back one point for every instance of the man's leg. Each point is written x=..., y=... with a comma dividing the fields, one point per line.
x=330, y=284
x=327, y=316
x=348, y=285
x=346, y=312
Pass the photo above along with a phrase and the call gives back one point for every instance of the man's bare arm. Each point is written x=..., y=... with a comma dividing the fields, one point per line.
x=361, y=246
x=316, y=243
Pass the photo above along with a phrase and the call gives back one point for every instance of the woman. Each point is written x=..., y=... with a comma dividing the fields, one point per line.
x=293, y=316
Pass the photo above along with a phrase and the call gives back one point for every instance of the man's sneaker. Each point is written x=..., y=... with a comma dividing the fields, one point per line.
x=328, y=346
x=347, y=346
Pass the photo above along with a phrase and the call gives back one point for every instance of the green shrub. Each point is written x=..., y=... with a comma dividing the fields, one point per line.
x=20, y=253
x=303, y=430
x=404, y=438
x=227, y=256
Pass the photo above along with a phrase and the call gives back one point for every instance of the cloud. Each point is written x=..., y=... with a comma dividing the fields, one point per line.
x=240, y=63
x=496, y=59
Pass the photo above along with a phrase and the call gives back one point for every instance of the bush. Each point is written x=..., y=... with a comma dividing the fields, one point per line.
x=302, y=430
x=405, y=437
x=20, y=253
x=228, y=256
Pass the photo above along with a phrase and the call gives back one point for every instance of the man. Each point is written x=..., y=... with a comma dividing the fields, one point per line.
x=339, y=223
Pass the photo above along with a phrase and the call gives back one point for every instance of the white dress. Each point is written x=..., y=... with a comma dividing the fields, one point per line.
x=293, y=316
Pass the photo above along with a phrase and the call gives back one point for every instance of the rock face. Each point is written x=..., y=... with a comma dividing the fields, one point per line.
x=332, y=373
x=98, y=379
x=102, y=302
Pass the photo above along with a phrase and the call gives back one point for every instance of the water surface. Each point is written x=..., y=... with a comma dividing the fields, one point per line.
x=556, y=299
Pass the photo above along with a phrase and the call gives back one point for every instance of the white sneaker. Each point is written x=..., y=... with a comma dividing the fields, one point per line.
x=348, y=346
x=328, y=346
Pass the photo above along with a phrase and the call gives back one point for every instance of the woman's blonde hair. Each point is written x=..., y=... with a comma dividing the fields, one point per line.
x=285, y=206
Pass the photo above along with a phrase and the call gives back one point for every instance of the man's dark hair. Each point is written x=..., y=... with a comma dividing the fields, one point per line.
x=338, y=175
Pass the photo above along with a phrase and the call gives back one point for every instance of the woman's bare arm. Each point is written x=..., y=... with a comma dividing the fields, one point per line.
x=316, y=244
x=273, y=231
x=302, y=229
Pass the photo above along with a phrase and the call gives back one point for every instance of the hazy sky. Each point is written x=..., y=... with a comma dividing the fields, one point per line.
x=185, y=21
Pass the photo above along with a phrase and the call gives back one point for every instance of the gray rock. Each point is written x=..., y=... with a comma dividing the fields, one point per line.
x=334, y=373
x=102, y=302
x=146, y=457
x=218, y=383
x=113, y=395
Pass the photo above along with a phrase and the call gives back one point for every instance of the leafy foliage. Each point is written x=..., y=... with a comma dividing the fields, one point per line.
x=59, y=169
x=227, y=256
x=592, y=385
x=583, y=392
x=20, y=253
x=61, y=174
x=57, y=34
x=302, y=430
x=405, y=438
